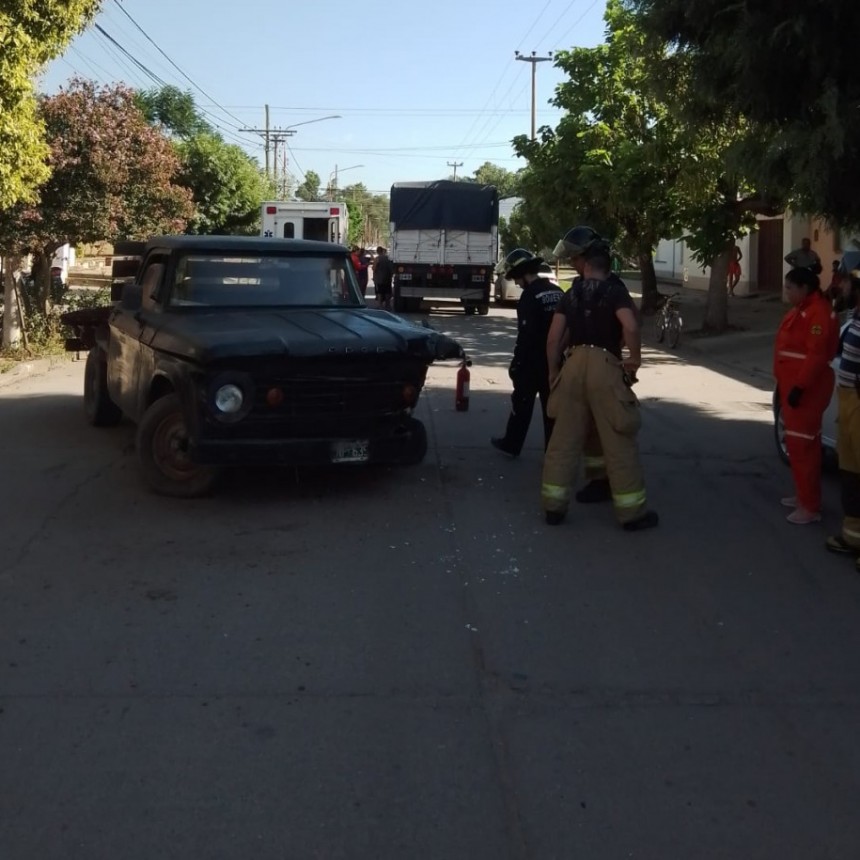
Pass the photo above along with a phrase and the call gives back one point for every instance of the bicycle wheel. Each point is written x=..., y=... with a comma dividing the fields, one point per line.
x=660, y=327
x=673, y=329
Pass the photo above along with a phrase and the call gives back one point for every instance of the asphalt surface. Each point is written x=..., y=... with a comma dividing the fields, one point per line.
x=408, y=663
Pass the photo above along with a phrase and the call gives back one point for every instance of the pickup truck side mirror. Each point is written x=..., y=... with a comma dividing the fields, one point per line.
x=132, y=297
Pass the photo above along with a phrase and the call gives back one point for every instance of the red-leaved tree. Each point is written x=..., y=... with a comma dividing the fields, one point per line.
x=112, y=177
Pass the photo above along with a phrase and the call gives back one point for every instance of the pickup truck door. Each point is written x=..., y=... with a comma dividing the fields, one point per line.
x=127, y=329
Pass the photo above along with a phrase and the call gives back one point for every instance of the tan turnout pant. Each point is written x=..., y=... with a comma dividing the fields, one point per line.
x=591, y=388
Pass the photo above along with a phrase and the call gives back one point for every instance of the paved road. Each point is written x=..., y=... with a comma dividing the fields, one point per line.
x=391, y=664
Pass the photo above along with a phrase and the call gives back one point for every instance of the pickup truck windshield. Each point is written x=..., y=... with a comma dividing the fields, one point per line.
x=209, y=280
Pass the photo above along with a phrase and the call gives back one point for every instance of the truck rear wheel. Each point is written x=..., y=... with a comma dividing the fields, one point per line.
x=100, y=410
x=162, y=448
x=418, y=446
x=483, y=310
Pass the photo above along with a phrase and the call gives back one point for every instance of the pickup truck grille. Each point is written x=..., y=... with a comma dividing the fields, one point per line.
x=315, y=397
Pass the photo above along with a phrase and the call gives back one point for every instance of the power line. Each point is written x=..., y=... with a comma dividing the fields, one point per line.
x=175, y=66
x=217, y=121
x=576, y=22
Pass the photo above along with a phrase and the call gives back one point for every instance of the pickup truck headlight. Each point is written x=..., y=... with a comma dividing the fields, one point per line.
x=230, y=396
x=229, y=399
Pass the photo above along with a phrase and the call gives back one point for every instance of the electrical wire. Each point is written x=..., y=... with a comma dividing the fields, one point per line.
x=175, y=66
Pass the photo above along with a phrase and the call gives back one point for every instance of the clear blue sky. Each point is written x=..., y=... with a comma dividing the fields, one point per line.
x=416, y=84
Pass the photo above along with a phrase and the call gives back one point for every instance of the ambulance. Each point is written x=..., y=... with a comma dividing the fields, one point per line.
x=299, y=219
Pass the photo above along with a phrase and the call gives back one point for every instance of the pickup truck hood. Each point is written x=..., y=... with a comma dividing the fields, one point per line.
x=204, y=337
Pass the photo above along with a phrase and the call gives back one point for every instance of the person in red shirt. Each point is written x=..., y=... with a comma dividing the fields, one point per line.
x=360, y=266
x=806, y=343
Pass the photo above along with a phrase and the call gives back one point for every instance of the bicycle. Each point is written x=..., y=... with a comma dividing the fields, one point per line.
x=668, y=322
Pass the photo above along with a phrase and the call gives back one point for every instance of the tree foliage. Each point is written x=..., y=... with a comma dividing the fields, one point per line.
x=174, y=110
x=613, y=161
x=505, y=181
x=226, y=184
x=368, y=215
x=31, y=33
x=309, y=187
x=113, y=176
x=637, y=157
x=790, y=70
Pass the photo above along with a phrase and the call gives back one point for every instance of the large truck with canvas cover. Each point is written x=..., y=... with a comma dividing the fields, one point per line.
x=444, y=243
x=300, y=219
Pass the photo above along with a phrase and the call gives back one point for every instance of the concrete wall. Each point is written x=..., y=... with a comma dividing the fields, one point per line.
x=674, y=261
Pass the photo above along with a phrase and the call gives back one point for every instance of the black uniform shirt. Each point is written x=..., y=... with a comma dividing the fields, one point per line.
x=589, y=307
x=535, y=309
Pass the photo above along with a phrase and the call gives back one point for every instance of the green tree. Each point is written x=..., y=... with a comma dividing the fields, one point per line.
x=174, y=110
x=505, y=181
x=790, y=70
x=32, y=32
x=309, y=188
x=226, y=184
x=368, y=215
x=614, y=160
x=113, y=176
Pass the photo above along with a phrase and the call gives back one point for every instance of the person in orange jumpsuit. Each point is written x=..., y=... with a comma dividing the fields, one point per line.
x=806, y=343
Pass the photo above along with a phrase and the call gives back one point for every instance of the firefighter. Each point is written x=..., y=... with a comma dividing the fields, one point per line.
x=595, y=316
x=528, y=370
x=806, y=343
x=848, y=437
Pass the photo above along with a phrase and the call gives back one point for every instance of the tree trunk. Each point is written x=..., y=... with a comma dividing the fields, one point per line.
x=41, y=297
x=649, y=282
x=717, y=306
x=11, y=328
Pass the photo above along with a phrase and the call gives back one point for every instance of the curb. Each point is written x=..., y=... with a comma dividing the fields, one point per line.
x=31, y=368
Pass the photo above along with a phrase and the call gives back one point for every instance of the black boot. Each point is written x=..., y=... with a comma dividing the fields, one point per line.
x=501, y=445
x=554, y=518
x=595, y=491
x=647, y=521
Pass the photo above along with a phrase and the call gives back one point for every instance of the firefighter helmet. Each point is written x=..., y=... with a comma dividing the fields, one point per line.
x=520, y=262
x=578, y=241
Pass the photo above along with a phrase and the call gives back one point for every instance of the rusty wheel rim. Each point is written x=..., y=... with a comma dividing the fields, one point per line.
x=170, y=449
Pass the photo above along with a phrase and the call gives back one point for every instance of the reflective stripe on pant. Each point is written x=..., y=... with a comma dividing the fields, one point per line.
x=803, y=438
x=848, y=448
x=526, y=388
x=591, y=386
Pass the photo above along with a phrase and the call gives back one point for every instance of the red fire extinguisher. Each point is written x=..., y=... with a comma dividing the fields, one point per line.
x=461, y=394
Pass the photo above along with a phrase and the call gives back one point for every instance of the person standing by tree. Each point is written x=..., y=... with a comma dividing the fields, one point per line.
x=528, y=369
x=735, y=269
x=804, y=258
x=806, y=343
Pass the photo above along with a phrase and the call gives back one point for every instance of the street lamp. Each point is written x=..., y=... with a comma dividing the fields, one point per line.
x=309, y=121
x=333, y=185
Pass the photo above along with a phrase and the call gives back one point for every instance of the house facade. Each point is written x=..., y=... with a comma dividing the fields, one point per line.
x=763, y=266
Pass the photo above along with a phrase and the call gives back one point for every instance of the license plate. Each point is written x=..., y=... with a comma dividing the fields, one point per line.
x=477, y=278
x=350, y=452
x=405, y=277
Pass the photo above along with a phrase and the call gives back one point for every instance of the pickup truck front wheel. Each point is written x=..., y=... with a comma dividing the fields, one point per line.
x=162, y=448
x=100, y=410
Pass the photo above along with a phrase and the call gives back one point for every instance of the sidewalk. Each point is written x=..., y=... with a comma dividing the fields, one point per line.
x=748, y=344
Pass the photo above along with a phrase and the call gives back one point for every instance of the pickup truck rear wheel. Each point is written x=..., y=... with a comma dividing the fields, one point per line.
x=100, y=410
x=162, y=448
x=417, y=450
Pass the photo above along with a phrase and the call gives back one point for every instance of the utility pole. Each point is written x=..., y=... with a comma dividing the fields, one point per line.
x=534, y=60
x=265, y=132
x=455, y=165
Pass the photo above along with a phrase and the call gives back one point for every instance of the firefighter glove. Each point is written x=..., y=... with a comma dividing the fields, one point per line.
x=794, y=396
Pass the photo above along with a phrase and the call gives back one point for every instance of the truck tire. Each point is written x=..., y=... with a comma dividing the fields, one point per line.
x=398, y=303
x=100, y=410
x=418, y=449
x=483, y=310
x=162, y=449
